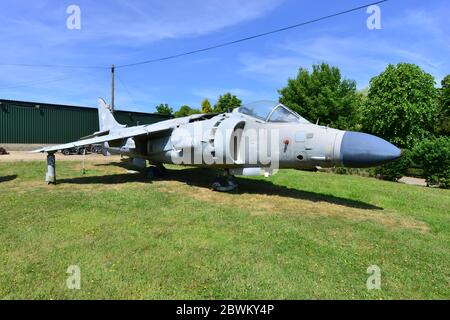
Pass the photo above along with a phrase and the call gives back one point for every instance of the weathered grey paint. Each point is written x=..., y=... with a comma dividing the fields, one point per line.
x=297, y=144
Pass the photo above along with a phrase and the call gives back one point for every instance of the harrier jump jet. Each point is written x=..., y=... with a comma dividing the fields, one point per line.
x=254, y=139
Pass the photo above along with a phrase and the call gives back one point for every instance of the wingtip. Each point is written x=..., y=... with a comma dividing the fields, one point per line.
x=40, y=150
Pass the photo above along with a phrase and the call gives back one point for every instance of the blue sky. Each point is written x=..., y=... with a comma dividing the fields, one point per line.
x=121, y=32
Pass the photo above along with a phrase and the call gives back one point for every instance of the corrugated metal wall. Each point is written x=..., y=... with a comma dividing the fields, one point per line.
x=35, y=123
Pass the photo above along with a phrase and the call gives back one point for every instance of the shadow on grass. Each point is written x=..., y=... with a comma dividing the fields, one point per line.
x=8, y=178
x=203, y=177
x=106, y=179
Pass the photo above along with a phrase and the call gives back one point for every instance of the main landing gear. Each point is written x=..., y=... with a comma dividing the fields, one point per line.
x=225, y=183
x=156, y=171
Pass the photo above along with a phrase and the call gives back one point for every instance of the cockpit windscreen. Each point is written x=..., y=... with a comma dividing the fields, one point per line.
x=270, y=111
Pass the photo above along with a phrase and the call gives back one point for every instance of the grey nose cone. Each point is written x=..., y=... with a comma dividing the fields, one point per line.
x=360, y=150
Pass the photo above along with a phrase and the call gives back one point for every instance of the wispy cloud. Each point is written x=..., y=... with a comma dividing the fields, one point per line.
x=129, y=23
x=34, y=32
x=362, y=55
x=156, y=21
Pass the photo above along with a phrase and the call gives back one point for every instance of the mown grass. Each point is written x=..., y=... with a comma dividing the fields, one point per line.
x=297, y=235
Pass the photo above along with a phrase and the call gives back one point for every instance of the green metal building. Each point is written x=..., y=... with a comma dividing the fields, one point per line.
x=42, y=123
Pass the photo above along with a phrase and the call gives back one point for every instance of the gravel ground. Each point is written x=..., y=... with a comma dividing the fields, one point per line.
x=413, y=181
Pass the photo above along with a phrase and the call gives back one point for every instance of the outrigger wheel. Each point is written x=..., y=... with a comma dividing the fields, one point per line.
x=225, y=183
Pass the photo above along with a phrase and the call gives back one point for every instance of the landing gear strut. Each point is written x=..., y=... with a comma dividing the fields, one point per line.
x=50, y=177
x=225, y=183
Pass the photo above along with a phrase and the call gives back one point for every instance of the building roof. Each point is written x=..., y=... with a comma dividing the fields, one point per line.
x=64, y=106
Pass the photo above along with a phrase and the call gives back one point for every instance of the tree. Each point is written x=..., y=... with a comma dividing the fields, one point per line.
x=444, y=107
x=401, y=105
x=323, y=94
x=433, y=156
x=186, y=111
x=206, y=106
x=227, y=102
x=164, y=109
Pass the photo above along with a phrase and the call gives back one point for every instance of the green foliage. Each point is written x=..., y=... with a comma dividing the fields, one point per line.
x=227, y=102
x=393, y=171
x=206, y=106
x=364, y=91
x=401, y=105
x=356, y=123
x=444, y=107
x=186, y=111
x=433, y=155
x=363, y=172
x=164, y=109
x=323, y=95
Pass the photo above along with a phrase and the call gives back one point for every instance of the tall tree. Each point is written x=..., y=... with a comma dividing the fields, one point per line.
x=401, y=105
x=323, y=95
x=164, y=109
x=186, y=111
x=444, y=107
x=206, y=106
x=227, y=102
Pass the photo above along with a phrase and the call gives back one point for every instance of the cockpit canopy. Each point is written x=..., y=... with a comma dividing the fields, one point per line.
x=270, y=111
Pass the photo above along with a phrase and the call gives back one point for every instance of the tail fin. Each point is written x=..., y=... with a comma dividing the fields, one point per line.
x=106, y=119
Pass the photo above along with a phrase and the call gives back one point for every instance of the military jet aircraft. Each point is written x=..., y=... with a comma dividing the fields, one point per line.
x=253, y=139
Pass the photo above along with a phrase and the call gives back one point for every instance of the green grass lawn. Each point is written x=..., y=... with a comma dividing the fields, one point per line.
x=297, y=235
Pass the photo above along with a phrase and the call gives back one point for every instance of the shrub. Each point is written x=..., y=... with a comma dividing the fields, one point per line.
x=433, y=155
x=349, y=171
x=394, y=170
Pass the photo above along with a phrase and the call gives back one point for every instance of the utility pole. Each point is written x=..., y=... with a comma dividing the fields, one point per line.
x=112, y=88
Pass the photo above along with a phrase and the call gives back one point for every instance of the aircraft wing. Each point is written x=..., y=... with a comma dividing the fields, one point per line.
x=120, y=134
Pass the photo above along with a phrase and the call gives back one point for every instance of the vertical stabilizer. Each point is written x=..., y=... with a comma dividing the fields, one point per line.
x=106, y=119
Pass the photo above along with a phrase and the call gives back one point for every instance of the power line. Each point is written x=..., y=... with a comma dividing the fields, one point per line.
x=251, y=37
x=42, y=81
x=33, y=83
x=175, y=55
x=198, y=50
x=26, y=65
